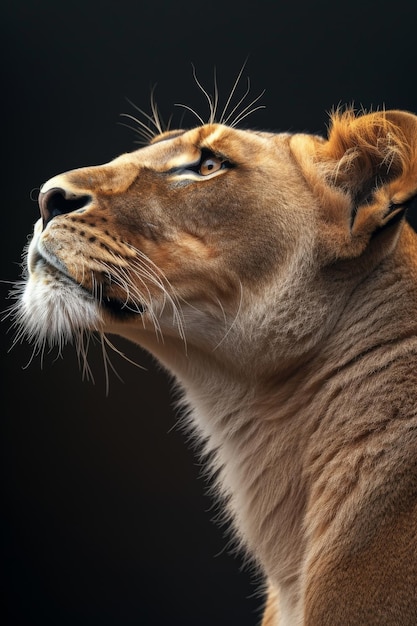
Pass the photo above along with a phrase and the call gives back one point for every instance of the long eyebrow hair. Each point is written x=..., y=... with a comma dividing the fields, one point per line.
x=232, y=114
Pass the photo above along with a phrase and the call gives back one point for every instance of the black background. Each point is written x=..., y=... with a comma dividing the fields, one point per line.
x=106, y=519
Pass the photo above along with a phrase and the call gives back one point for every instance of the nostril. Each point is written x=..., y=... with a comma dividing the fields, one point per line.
x=57, y=201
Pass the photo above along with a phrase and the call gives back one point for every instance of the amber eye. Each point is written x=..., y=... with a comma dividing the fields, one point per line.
x=209, y=165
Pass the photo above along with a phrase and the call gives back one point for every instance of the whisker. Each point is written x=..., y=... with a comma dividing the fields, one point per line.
x=158, y=122
x=155, y=121
x=214, y=100
x=222, y=119
x=248, y=110
x=107, y=363
x=235, y=108
x=82, y=342
x=121, y=277
x=143, y=130
x=158, y=275
x=155, y=124
x=145, y=139
x=233, y=323
x=207, y=95
x=120, y=353
x=8, y=282
x=185, y=106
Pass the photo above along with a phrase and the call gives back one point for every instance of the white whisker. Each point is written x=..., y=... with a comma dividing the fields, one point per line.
x=214, y=100
x=207, y=95
x=145, y=138
x=147, y=133
x=223, y=119
x=134, y=295
x=111, y=345
x=144, y=130
x=155, y=119
x=248, y=110
x=233, y=323
x=156, y=115
x=157, y=276
x=185, y=106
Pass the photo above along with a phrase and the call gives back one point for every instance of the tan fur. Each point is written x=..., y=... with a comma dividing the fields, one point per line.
x=278, y=284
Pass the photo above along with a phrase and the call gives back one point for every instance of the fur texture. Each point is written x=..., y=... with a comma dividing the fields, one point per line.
x=275, y=276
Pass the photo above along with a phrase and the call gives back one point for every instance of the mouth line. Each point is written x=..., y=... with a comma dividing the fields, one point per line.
x=117, y=307
x=121, y=309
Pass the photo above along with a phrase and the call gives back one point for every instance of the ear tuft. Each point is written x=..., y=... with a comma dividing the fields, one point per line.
x=369, y=166
x=367, y=150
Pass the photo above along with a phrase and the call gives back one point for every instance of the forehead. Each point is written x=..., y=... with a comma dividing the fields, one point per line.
x=176, y=148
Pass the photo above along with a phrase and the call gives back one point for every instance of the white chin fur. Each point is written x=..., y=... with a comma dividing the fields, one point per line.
x=54, y=311
x=50, y=308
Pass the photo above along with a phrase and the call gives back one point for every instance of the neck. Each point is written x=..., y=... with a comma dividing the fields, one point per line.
x=256, y=409
x=251, y=427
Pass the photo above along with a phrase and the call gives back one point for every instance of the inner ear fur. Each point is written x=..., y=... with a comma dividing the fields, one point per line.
x=367, y=151
x=372, y=159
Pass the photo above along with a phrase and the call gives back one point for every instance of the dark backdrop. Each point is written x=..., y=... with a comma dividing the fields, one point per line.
x=106, y=520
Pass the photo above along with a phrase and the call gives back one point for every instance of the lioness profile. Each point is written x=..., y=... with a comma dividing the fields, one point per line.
x=275, y=276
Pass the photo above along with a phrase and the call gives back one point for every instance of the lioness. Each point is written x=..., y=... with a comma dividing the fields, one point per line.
x=275, y=276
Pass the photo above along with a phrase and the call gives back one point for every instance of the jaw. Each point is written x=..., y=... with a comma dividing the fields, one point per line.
x=54, y=309
x=210, y=323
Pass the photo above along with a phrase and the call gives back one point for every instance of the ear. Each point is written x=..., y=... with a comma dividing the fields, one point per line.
x=372, y=160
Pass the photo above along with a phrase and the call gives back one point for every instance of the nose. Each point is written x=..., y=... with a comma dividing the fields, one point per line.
x=58, y=201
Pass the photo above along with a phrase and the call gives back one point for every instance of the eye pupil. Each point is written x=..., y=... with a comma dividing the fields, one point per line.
x=210, y=164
